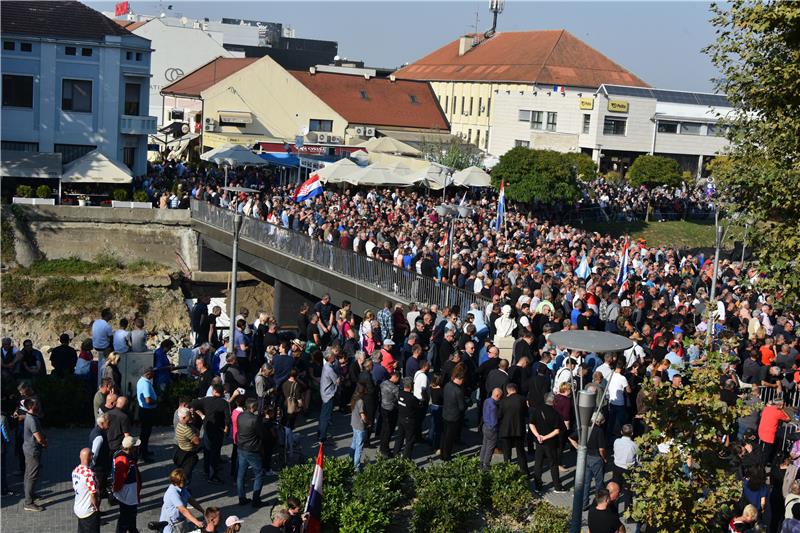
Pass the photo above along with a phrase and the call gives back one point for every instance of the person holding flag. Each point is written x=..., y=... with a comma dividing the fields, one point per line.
x=310, y=188
x=622, y=276
x=501, y=207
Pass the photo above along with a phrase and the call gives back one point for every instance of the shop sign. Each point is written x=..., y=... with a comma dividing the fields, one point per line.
x=587, y=103
x=618, y=106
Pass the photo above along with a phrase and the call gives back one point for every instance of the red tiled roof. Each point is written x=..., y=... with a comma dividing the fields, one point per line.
x=200, y=79
x=548, y=57
x=384, y=103
x=56, y=19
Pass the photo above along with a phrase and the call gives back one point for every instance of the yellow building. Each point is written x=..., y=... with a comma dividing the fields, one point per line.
x=467, y=73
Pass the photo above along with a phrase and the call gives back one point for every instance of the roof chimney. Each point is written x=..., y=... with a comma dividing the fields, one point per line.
x=312, y=70
x=392, y=78
x=465, y=43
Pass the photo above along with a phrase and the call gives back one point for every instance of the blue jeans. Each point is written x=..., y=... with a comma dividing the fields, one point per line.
x=359, y=436
x=435, y=430
x=594, y=471
x=325, y=419
x=253, y=459
x=212, y=447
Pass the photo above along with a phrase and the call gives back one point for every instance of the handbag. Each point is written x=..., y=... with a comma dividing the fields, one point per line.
x=293, y=404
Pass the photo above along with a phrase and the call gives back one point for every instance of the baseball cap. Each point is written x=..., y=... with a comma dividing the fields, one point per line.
x=388, y=342
x=232, y=521
x=130, y=441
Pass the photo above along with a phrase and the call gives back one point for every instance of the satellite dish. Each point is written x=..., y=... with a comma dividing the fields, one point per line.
x=336, y=58
x=184, y=21
x=163, y=15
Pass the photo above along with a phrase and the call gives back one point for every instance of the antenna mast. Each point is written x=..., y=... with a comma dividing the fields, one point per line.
x=496, y=7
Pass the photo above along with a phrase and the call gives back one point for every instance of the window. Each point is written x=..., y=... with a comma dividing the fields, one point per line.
x=463, y=104
x=26, y=47
x=587, y=122
x=446, y=103
x=316, y=124
x=477, y=137
x=486, y=141
x=17, y=91
x=552, y=120
x=132, y=94
x=454, y=105
x=71, y=152
x=86, y=52
x=524, y=115
x=525, y=144
x=480, y=105
x=76, y=95
x=469, y=135
x=667, y=126
x=690, y=128
x=413, y=98
x=536, y=120
x=9, y=45
x=129, y=156
x=363, y=94
x=714, y=130
x=471, y=99
x=69, y=50
x=138, y=56
x=614, y=126
x=488, y=105
x=16, y=146
x=176, y=114
x=129, y=56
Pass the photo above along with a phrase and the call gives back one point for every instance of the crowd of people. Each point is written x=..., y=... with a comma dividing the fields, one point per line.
x=412, y=380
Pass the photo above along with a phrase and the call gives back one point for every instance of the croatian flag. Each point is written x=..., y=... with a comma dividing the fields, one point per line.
x=622, y=276
x=559, y=89
x=314, y=501
x=309, y=189
x=501, y=207
x=583, y=271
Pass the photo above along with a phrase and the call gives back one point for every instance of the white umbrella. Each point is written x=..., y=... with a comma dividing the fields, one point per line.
x=472, y=177
x=389, y=145
x=232, y=155
x=432, y=176
x=95, y=167
x=337, y=172
x=382, y=175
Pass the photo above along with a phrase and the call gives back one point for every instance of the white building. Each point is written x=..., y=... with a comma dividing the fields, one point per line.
x=614, y=124
x=73, y=82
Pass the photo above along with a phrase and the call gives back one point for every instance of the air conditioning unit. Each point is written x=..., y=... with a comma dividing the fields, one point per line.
x=208, y=121
x=369, y=132
x=196, y=25
x=335, y=140
x=360, y=131
x=210, y=127
x=322, y=137
x=205, y=26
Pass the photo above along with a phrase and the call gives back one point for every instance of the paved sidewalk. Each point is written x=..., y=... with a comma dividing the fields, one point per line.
x=56, y=494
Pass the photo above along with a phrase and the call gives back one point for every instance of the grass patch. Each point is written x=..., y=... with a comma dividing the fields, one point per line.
x=681, y=234
x=102, y=264
x=7, y=246
x=56, y=292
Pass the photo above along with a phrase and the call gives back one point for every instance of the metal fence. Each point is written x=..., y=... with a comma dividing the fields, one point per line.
x=379, y=275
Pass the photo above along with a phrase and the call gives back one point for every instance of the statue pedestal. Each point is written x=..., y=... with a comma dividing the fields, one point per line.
x=506, y=347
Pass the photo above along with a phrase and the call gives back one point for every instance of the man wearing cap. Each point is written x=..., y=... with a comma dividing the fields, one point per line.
x=233, y=523
x=148, y=401
x=127, y=484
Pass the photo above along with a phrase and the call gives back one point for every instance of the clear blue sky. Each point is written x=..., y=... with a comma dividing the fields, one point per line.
x=658, y=41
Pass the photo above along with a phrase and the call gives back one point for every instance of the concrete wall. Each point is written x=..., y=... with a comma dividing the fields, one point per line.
x=131, y=234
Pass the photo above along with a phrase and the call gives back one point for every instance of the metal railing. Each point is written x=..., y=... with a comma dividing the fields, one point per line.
x=379, y=275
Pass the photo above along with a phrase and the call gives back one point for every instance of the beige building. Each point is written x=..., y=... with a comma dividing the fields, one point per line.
x=467, y=74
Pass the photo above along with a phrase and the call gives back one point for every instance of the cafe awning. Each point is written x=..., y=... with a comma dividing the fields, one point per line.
x=95, y=167
x=30, y=164
x=235, y=117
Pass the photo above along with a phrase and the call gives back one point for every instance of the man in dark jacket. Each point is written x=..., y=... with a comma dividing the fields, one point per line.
x=454, y=406
x=370, y=398
x=546, y=425
x=249, y=433
x=101, y=455
x=497, y=378
x=513, y=414
x=538, y=386
x=408, y=407
x=216, y=414
x=447, y=348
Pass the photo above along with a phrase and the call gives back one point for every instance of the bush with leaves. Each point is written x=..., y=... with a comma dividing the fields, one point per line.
x=386, y=483
x=120, y=195
x=542, y=175
x=67, y=401
x=24, y=191
x=448, y=494
x=140, y=196
x=167, y=404
x=361, y=517
x=295, y=481
x=509, y=490
x=43, y=191
x=547, y=518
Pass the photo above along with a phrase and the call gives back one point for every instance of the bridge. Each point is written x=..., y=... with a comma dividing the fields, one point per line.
x=309, y=265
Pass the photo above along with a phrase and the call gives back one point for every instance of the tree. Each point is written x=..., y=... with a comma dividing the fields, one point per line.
x=689, y=487
x=586, y=168
x=454, y=154
x=757, y=52
x=536, y=175
x=654, y=171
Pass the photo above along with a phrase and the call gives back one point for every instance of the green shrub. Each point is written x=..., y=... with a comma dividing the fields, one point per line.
x=361, y=517
x=295, y=481
x=448, y=494
x=140, y=196
x=8, y=242
x=66, y=401
x=24, y=191
x=612, y=176
x=386, y=483
x=120, y=195
x=547, y=518
x=509, y=490
x=168, y=402
x=43, y=191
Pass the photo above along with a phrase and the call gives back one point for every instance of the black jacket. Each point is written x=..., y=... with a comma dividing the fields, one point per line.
x=454, y=404
x=538, y=386
x=496, y=379
x=248, y=433
x=408, y=408
x=483, y=372
x=512, y=415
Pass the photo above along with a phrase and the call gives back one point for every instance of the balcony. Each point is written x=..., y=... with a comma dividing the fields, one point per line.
x=136, y=125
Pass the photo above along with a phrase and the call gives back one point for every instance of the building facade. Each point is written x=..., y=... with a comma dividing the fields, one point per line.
x=467, y=74
x=614, y=124
x=73, y=81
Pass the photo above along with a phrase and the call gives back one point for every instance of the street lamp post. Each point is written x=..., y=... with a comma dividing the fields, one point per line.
x=712, y=302
x=586, y=405
x=237, y=224
x=452, y=212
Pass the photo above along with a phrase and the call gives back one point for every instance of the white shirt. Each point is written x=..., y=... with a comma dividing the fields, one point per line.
x=477, y=285
x=562, y=376
x=616, y=389
x=633, y=354
x=101, y=331
x=122, y=341
x=420, y=384
x=605, y=370
x=84, y=484
x=369, y=247
x=625, y=451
